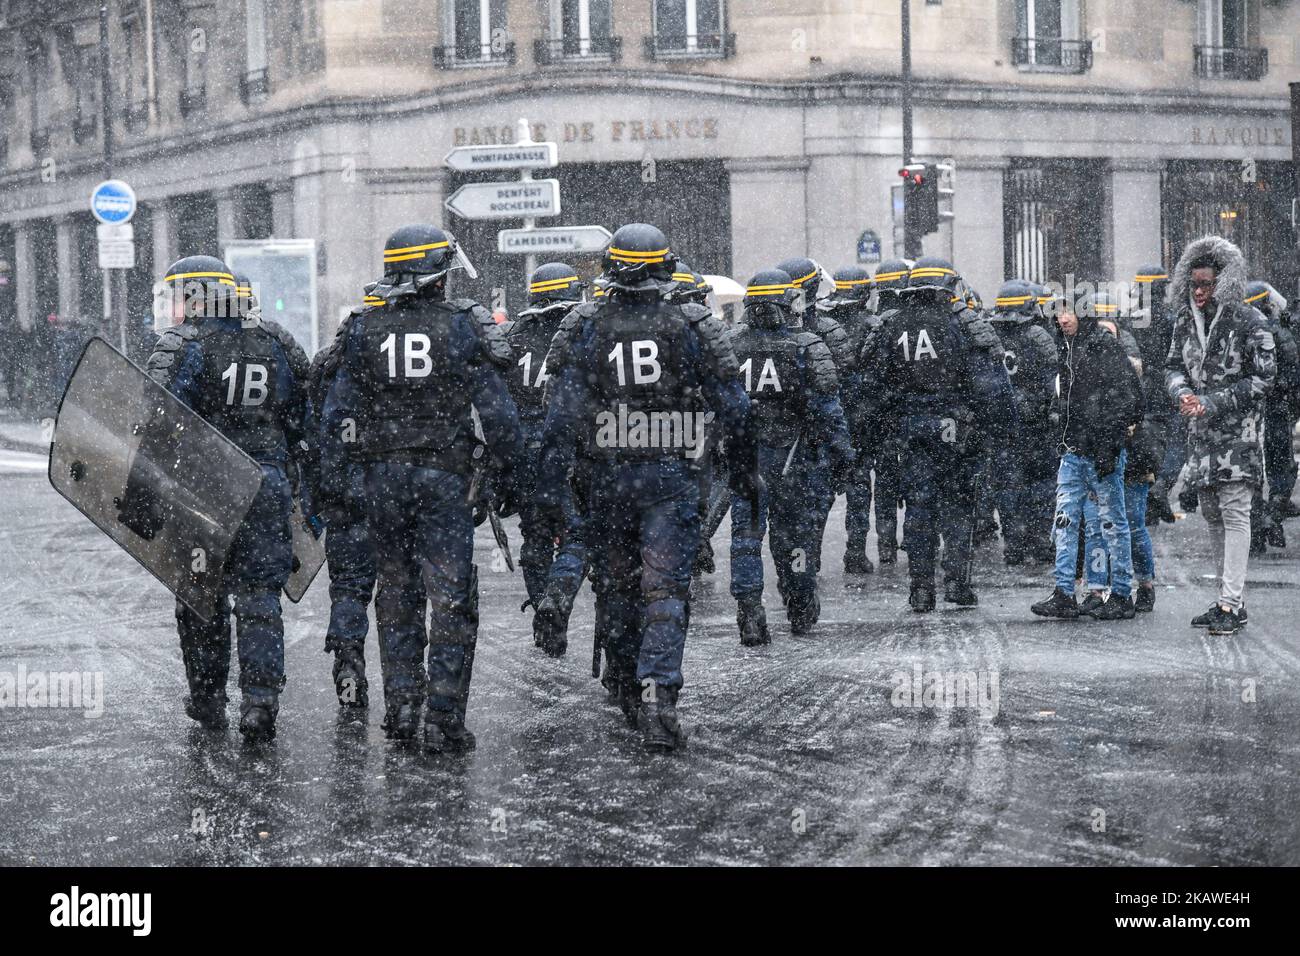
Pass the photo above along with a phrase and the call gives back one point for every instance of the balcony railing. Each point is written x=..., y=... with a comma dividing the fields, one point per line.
x=474, y=54
x=1052, y=54
x=661, y=46
x=193, y=100
x=254, y=86
x=40, y=140
x=85, y=127
x=574, y=49
x=1231, y=63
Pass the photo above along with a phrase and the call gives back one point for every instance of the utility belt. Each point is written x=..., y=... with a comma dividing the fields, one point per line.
x=453, y=460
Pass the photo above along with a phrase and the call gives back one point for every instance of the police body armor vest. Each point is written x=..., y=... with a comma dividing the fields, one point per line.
x=529, y=338
x=241, y=367
x=770, y=372
x=644, y=410
x=419, y=402
x=923, y=356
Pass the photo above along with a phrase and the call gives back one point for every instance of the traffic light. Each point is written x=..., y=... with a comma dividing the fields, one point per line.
x=920, y=198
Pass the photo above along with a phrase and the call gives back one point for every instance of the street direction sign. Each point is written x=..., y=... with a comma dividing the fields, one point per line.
x=515, y=200
x=112, y=233
x=518, y=156
x=553, y=239
x=117, y=254
x=113, y=202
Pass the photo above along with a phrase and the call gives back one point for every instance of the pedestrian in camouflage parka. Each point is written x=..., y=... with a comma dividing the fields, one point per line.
x=1220, y=367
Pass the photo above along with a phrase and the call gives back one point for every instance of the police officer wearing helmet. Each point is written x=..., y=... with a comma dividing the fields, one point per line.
x=348, y=544
x=1024, y=468
x=849, y=305
x=888, y=283
x=794, y=396
x=248, y=379
x=629, y=381
x=553, y=291
x=411, y=375
x=940, y=371
x=1280, y=412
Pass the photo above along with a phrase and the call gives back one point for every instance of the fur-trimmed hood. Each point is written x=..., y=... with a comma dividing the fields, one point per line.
x=1230, y=289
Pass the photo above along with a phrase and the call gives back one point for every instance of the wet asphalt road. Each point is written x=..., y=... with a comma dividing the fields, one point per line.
x=1142, y=742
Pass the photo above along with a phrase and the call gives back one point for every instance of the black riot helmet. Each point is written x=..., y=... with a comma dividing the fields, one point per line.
x=638, y=259
x=852, y=284
x=554, y=282
x=805, y=275
x=890, y=280
x=1156, y=279
x=769, y=299
x=688, y=286
x=195, y=287
x=1017, y=301
x=1267, y=299
x=417, y=259
x=932, y=274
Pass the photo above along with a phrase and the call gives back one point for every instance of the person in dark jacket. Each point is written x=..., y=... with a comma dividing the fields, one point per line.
x=1220, y=368
x=1099, y=398
x=1279, y=420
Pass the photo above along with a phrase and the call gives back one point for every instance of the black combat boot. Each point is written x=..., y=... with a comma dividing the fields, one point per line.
x=1146, y=598
x=921, y=598
x=402, y=716
x=703, y=560
x=960, y=593
x=855, y=557
x=1060, y=605
x=752, y=621
x=551, y=623
x=445, y=732
x=257, y=713
x=208, y=708
x=657, y=720
x=1116, y=608
x=803, y=611
x=350, y=677
x=1275, y=535
x=886, y=551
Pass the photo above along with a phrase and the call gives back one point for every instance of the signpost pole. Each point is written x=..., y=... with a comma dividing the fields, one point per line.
x=530, y=222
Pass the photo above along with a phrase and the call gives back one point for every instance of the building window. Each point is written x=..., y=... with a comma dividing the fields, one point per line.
x=38, y=70
x=255, y=83
x=194, y=92
x=135, y=107
x=1228, y=40
x=477, y=30
x=685, y=28
x=579, y=30
x=306, y=49
x=1050, y=37
x=1043, y=203
x=86, y=92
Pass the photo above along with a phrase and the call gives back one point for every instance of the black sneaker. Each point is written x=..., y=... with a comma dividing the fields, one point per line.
x=1116, y=608
x=1059, y=605
x=1222, y=621
x=960, y=593
x=1203, y=620
x=1146, y=598
x=1241, y=616
x=921, y=598
x=752, y=621
x=1091, y=603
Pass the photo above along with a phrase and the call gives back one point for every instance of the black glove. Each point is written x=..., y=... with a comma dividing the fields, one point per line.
x=505, y=494
x=1106, y=463
x=141, y=511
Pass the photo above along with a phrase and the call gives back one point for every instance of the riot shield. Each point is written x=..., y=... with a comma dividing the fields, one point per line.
x=308, y=554
x=169, y=488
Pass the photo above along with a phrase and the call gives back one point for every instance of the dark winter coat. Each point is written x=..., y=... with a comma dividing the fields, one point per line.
x=1100, y=395
x=1232, y=373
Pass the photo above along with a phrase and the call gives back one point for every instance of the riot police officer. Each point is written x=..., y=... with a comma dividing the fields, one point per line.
x=1024, y=468
x=888, y=284
x=940, y=371
x=628, y=380
x=1280, y=407
x=553, y=290
x=412, y=372
x=848, y=305
x=348, y=543
x=248, y=378
x=794, y=396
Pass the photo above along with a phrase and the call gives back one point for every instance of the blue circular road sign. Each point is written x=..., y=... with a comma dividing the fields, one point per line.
x=113, y=202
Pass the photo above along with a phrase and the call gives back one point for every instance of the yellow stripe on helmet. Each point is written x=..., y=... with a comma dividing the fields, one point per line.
x=225, y=278
x=1102, y=308
x=551, y=285
x=1257, y=297
x=768, y=289
x=633, y=256
x=802, y=279
x=932, y=271
x=400, y=255
x=889, y=276
x=375, y=300
x=850, y=283
x=1012, y=299
x=1151, y=278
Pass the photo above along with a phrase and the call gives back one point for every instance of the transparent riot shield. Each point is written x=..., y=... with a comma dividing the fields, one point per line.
x=308, y=554
x=169, y=488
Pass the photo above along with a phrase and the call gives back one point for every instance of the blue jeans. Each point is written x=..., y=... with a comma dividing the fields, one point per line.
x=643, y=530
x=424, y=558
x=257, y=566
x=1097, y=559
x=1076, y=482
